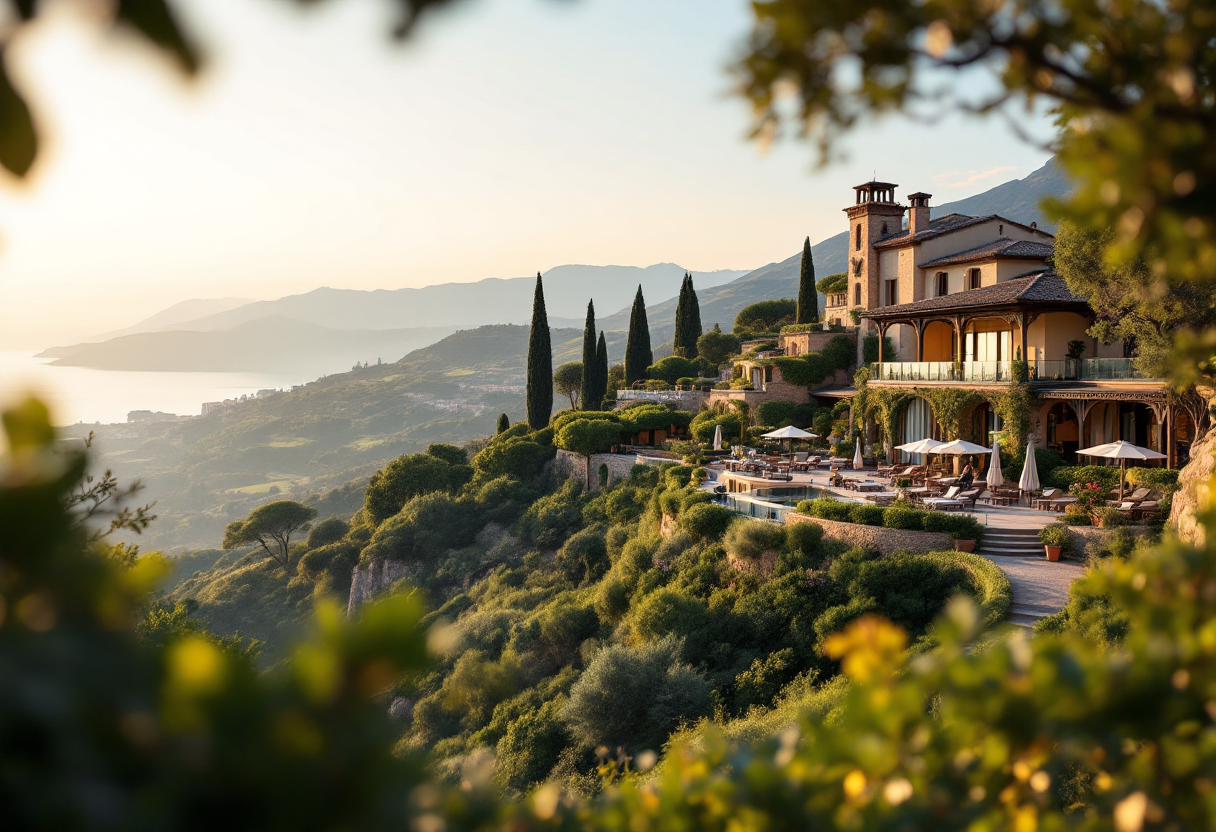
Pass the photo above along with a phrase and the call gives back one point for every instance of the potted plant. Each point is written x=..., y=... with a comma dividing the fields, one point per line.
x=1054, y=538
x=1107, y=518
x=961, y=545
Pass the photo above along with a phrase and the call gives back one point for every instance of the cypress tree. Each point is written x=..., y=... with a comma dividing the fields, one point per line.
x=638, y=355
x=688, y=321
x=601, y=367
x=808, y=295
x=540, y=364
x=587, y=395
x=693, y=321
x=503, y=423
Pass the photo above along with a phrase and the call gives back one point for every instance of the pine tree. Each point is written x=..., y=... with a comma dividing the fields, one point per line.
x=587, y=395
x=601, y=367
x=540, y=364
x=808, y=295
x=638, y=355
x=688, y=321
x=503, y=423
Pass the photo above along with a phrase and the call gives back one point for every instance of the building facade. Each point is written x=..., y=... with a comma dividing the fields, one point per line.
x=972, y=302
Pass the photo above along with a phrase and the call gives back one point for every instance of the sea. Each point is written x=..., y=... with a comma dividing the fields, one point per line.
x=82, y=395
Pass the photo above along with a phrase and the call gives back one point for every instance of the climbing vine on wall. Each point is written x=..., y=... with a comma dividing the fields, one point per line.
x=949, y=405
x=1015, y=406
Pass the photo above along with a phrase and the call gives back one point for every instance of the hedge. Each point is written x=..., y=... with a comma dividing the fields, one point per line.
x=1161, y=479
x=958, y=526
x=1068, y=475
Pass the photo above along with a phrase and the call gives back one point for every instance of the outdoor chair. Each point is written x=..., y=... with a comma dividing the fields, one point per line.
x=1038, y=502
x=969, y=496
x=1147, y=509
x=1137, y=496
x=946, y=501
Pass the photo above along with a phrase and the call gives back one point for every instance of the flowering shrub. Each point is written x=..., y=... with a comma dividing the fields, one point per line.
x=1088, y=495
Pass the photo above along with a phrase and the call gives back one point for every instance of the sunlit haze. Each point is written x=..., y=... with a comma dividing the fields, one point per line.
x=507, y=136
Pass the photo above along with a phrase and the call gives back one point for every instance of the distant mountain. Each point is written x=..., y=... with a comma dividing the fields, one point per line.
x=268, y=345
x=490, y=301
x=187, y=310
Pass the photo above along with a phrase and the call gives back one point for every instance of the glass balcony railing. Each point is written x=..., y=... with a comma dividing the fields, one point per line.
x=976, y=371
x=1067, y=369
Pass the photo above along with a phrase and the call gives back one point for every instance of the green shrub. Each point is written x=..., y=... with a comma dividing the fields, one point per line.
x=958, y=526
x=896, y=517
x=631, y=698
x=827, y=508
x=327, y=531
x=749, y=539
x=677, y=476
x=670, y=612
x=673, y=369
x=1119, y=544
x=1164, y=480
x=531, y=745
x=777, y=413
x=1076, y=517
x=584, y=557
x=760, y=683
x=866, y=515
x=1067, y=476
x=1054, y=535
x=706, y=521
x=1110, y=517
x=803, y=537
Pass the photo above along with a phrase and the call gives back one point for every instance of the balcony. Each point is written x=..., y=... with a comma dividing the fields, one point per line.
x=660, y=395
x=997, y=372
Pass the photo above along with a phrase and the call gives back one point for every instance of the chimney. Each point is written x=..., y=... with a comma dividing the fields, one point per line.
x=918, y=217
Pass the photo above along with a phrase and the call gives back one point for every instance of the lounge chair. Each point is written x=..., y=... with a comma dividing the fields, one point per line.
x=1146, y=509
x=1044, y=495
x=1137, y=496
x=947, y=501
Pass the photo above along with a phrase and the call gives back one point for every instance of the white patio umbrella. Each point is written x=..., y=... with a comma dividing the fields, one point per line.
x=1030, y=471
x=920, y=446
x=995, y=478
x=791, y=433
x=960, y=447
x=717, y=437
x=1122, y=451
x=858, y=463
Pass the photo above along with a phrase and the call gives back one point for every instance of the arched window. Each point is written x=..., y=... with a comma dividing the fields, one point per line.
x=943, y=284
x=857, y=237
x=857, y=295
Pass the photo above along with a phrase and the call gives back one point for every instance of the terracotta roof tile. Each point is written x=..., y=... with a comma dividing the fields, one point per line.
x=1040, y=287
x=937, y=227
x=1003, y=248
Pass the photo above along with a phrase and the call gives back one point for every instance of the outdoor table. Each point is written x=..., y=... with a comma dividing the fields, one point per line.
x=1059, y=503
x=998, y=500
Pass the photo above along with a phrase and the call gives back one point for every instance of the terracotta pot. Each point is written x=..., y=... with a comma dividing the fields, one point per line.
x=1053, y=552
x=964, y=545
x=1096, y=521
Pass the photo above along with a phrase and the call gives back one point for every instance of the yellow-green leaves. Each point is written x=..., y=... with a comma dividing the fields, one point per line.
x=18, y=139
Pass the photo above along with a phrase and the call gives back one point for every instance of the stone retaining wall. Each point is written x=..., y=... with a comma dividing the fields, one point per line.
x=1080, y=536
x=574, y=465
x=887, y=541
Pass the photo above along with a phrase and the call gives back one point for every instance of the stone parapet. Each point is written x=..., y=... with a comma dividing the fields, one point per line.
x=574, y=465
x=887, y=541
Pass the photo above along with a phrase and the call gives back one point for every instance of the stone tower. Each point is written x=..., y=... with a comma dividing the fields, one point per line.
x=874, y=215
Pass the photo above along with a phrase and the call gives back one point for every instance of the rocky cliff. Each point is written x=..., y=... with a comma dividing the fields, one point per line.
x=1194, y=490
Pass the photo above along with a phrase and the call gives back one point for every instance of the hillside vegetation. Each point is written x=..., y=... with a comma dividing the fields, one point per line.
x=578, y=622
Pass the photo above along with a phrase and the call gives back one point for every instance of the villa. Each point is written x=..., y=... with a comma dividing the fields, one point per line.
x=972, y=302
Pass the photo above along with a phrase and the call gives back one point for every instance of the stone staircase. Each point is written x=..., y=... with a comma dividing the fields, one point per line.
x=1019, y=543
x=1022, y=544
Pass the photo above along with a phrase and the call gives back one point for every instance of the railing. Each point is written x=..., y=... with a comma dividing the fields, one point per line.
x=658, y=395
x=1067, y=369
x=976, y=371
x=759, y=509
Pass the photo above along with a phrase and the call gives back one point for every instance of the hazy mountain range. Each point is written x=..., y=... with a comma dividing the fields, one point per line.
x=330, y=329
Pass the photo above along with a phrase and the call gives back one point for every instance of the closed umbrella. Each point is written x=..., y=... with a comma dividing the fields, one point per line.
x=1122, y=451
x=717, y=437
x=858, y=464
x=1030, y=471
x=995, y=478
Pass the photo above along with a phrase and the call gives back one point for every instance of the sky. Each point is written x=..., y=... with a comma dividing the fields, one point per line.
x=505, y=137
